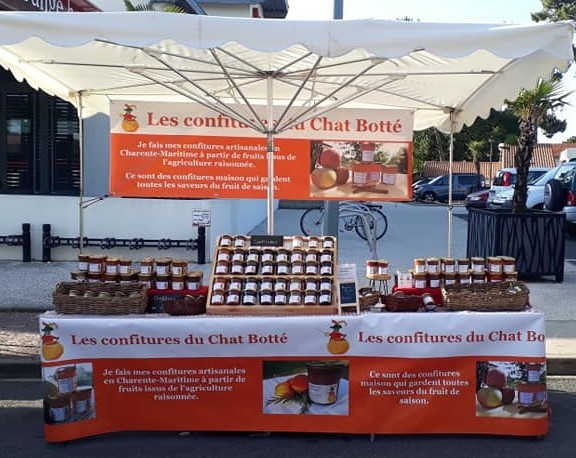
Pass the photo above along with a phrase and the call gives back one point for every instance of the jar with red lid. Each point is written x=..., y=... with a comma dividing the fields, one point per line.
x=533, y=371
x=367, y=151
x=382, y=267
x=531, y=393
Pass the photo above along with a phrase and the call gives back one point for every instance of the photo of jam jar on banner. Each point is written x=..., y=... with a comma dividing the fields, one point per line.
x=68, y=393
x=356, y=170
x=318, y=387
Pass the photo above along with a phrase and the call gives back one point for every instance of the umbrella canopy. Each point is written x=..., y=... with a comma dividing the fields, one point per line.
x=448, y=74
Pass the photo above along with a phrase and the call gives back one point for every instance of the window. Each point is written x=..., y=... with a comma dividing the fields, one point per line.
x=39, y=142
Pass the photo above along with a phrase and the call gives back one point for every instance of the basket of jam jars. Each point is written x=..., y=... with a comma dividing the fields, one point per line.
x=100, y=298
x=273, y=275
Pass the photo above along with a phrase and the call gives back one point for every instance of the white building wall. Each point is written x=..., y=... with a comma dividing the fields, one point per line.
x=123, y=218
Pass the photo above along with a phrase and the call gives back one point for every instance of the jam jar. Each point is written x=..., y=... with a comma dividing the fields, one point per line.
x=163, y=266
x=326, y=268
x=267, y=268
x=313, y=242
x=220, y=283
x=238, y=254
x=325, y=298
x=326, y=256
x=253, y=255
x=295, y=298
x=281, y=297
x=222, y=267
x=295, y=284
x=311, y=284
x=224, y=254
x=251, y=284
x=96, y=264
x=328, y=242
x=177, y=282
x=218, y=297
x=249, y=297
x=311, y=256
x=311, y=268
x=297, y=268
x=297, y=255
x=282, y=255
x=282, y=268
x=268, y=255
x=83, y=260
x=266, y=297
x=237, y=267
x=125, y=266
x=326, y=284
x=235, y=283
x=225, y=240
x=179, y=267
x=146, y=267
x=111, y=266
x=194, y=280
x=267, y=283
x=241, y=241
x=280, y=284
x=310, y=297
x=233, y=297
x=251, y=267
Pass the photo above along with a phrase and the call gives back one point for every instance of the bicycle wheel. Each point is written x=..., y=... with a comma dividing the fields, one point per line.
x=380, y=221
x=311, y=221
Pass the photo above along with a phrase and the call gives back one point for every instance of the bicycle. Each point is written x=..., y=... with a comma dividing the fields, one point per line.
x=349, y=218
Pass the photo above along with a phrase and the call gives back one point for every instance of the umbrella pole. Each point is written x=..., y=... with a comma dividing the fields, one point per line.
x=81, y=166
x=450, y=166
x=270, y=148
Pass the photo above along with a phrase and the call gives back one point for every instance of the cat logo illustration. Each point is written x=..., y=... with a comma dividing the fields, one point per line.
x=51, y=348
x=129, y=121
x=337, y=343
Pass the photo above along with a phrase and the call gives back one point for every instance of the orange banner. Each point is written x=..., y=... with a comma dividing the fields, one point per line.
x=160, y=150
x=263, y=376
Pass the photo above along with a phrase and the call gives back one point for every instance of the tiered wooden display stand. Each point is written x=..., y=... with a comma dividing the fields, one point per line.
x=260, y=244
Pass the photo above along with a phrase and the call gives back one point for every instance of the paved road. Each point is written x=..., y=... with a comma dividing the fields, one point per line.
x=22, y=437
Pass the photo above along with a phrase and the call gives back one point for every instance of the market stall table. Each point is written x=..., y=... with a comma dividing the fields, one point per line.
x=374, y=373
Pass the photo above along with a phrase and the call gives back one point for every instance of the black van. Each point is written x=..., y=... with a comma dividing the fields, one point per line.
x=462, y=185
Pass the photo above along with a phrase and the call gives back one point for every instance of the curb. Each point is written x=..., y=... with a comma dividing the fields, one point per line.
x=30, y=368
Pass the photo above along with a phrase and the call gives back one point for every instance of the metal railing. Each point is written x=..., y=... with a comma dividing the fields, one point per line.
x=22, y=240
x=50, y=242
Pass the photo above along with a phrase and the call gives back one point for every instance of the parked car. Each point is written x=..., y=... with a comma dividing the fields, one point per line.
x=438, y=188
x=477, y=199
x=554, y=191
x=506, y=178
x=560, y=194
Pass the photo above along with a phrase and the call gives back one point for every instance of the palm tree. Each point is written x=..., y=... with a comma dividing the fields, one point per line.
x=532, y=107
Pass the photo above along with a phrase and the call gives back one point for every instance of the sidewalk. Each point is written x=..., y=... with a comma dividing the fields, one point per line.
x=26, y=289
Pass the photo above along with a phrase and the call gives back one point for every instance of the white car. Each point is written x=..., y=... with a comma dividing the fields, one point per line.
x=505, y=179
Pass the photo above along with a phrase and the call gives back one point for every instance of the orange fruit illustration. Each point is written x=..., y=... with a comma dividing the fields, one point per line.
x=130, y=125
x=338, y=347
x=52, y=351
x=299, y=383
x=283, y=390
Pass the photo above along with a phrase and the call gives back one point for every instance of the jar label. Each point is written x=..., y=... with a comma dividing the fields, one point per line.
x=222, y=269
x=295, y=299
x=296, y=257
x=162, y=270
x=310, y=299
x=282, y=268
x=280, y=257
x=326, y=269
x=297, y=269
x=217, y=298
x=267, y=257
x=144, y=269
x=311, y=269
x=323, y=394
x=82, y=405
x=193, y=285
x=237, y=268
x=83, y=266
x=359, y=177
x=238, y=257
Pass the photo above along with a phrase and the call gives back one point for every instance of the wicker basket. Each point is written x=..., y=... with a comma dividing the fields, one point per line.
x=106, y=298
x=367, y=298
x=400, y=302
x=487, y=297
x=187, y=305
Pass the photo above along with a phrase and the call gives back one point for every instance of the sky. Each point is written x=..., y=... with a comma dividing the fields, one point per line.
x=475, y=11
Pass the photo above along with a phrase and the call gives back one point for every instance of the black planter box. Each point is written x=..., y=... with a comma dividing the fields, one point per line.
x=536, y=239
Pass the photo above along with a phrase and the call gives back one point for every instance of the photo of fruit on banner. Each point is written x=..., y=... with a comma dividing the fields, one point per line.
x=360, y=170
x=511, y=389
x=305, y=387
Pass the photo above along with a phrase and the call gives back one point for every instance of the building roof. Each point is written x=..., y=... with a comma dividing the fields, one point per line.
x=545, y=155
x=276, y=9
